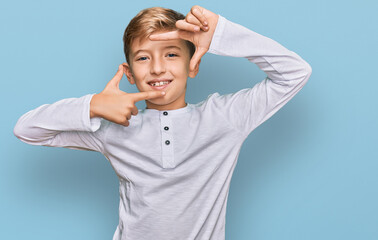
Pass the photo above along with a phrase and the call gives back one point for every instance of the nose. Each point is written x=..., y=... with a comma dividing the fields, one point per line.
x=157, y=66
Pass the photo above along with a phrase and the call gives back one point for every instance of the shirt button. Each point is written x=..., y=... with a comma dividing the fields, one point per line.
x=165, y=113
x=167, y=142
x=166, y=128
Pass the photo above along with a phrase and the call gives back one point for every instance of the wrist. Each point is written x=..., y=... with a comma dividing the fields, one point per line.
x=92, y=107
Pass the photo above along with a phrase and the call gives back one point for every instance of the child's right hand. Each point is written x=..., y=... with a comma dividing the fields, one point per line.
x=118, y=106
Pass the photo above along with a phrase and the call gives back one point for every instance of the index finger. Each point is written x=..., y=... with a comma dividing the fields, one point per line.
x=146, y=95
x=165, y=36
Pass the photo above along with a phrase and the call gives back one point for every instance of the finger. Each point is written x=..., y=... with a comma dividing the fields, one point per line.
x=197, y=11
x=197, y=57
x=146, y=95
x=183, y=25
x=165, y=36
x=186, y=35
x=134, y=111
x=190, y=18
x=114, y=82
x=178, y=34
x=126, y=123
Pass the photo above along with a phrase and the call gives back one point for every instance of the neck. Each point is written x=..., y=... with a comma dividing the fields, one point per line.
x=171, y=106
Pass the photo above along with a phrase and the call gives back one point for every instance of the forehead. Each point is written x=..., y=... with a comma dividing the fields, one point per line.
x=145, y=44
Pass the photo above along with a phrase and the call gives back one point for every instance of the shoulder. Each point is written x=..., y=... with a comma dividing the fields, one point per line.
x=217, y=103
x=218, y=100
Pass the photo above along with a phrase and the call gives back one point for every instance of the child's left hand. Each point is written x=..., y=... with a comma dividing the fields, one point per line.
x=198, y=27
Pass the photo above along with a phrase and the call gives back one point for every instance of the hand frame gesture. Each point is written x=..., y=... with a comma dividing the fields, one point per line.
x=198, y=27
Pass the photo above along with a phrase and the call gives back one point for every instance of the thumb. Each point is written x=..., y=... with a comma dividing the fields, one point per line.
x=197, y=57
x=114, y=82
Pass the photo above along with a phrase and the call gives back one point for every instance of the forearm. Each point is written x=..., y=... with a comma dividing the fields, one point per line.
x=286, y=73
x=40, y=125
x=279, y=63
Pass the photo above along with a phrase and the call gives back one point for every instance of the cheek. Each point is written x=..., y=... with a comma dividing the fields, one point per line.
x=182, y=69
x=139, y=74
x=138, y=77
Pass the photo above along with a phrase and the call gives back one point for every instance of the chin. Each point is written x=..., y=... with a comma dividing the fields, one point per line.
x=159, y=102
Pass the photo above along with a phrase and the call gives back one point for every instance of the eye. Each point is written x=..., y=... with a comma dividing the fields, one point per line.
x=142, y=59
x=172, y=55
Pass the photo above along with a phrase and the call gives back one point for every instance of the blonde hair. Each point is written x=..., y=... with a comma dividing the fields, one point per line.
x=147, y=22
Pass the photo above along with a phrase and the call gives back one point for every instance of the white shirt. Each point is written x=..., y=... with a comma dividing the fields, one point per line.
x=177, y=190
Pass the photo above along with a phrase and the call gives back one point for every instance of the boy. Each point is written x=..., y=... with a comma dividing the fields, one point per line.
x=174, y=160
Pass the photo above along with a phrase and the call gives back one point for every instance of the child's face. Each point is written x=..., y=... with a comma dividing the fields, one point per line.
x=162, y=61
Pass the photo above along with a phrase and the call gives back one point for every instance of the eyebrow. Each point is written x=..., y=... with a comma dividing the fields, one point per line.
x=167, y=47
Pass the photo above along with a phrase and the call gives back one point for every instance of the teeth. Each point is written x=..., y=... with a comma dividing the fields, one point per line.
x=156, y=84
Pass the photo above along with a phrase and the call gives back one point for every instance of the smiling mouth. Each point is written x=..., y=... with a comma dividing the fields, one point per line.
x=159, y=84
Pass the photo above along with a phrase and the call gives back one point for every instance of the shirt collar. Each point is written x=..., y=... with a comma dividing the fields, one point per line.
x=174, y=112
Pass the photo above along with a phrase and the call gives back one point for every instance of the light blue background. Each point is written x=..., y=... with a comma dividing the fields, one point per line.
x=309, y=172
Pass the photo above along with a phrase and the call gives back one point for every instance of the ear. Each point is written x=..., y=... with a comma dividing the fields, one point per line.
x=193, y=73
x=128, y=72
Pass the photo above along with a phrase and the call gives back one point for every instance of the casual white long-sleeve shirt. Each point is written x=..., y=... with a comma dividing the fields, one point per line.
x=175, y=167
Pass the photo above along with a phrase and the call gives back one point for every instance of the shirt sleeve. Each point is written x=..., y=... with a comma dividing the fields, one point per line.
x=286, y=73
x=65, y=123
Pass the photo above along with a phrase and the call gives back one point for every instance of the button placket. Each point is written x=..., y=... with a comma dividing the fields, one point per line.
x=167, y=140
